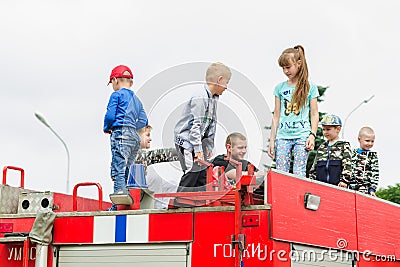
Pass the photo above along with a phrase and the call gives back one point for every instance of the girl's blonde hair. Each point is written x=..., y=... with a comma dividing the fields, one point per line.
x=288, y=57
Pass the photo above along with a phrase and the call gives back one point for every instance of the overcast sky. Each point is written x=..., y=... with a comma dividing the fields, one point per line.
x=56, y=56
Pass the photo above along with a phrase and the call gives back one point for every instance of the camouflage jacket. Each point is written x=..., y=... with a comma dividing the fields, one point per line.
x=148, y=157
x=365, y=171
x=340, y=151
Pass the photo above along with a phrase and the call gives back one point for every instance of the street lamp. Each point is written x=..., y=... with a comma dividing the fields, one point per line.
x=43, y=120
x=351, y=112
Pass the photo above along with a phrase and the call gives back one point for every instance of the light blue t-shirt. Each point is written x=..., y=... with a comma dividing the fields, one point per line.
x=293, y=123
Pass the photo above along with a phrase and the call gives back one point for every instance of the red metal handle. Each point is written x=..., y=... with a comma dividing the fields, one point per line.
x=250, y=169
x=238, y=169
x=13, y=168
x=75, y=192
x=209, y=172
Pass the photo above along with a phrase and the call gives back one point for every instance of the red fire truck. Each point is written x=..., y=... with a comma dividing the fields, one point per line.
x=296, y=222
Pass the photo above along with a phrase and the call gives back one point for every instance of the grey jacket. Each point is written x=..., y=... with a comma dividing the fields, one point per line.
x=196, y=128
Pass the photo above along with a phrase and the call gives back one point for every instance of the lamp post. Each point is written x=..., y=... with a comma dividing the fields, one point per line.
x=43, y=120
x=351, y=112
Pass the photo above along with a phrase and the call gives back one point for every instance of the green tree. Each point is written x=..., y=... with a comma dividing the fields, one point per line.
x=391, y=193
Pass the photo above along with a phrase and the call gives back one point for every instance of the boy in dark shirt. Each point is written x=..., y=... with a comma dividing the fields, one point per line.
x=236, y=148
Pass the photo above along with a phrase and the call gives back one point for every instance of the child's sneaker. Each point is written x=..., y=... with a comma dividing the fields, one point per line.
x=121, y=197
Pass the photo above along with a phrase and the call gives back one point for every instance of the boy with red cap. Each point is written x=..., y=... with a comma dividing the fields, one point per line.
x=125, y=114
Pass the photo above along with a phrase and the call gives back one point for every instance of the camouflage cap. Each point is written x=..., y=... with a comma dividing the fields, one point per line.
x=331, y=119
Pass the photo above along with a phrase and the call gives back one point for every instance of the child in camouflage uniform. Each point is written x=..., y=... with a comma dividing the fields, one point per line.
x=365, y=163
x=332, y=163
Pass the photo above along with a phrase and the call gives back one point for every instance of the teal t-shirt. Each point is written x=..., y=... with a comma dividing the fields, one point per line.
x=293, y=123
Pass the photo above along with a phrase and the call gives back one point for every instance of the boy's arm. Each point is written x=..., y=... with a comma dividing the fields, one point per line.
x=314, y=118
x=148, y=157
x=142, y=118
x=162, y=155
x=109, y=118
x=346, y=163
x=259, y=173
x=374, y=173
x=353, y=181
x=197, y=109
x=209, y=141
x=142, y=157
x=313, y=175
x=231, y=174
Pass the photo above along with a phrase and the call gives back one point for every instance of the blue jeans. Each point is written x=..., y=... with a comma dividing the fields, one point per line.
x=284, y=149
x=125, y=144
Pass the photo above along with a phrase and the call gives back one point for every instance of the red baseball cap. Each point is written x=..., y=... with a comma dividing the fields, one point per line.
x=118, y=72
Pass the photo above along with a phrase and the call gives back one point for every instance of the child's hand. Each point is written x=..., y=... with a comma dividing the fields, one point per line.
x=342, y=184
x=199, y=155
x=310, y=143
x=271, y=150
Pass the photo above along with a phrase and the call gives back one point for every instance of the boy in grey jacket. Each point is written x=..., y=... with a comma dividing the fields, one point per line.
x=194, y=133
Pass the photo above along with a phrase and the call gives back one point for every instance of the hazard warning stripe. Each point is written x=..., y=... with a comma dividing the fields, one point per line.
x=127, y=228
x=120, y=228
x=132, y=228
x=73, y=230
x=171, y=227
